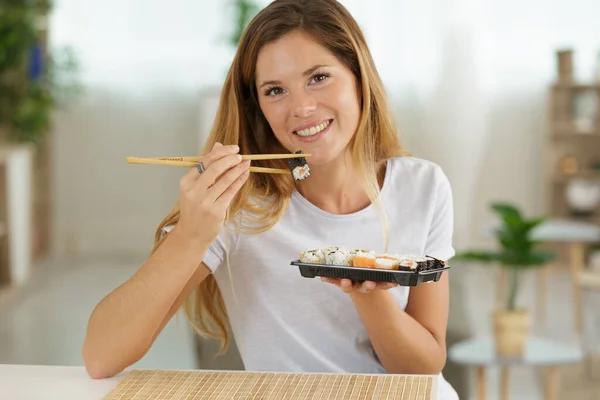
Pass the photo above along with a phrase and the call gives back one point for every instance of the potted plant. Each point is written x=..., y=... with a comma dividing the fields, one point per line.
x=34, y=79
x=518, y=252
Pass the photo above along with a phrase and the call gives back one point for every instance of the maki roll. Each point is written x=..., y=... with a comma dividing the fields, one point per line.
x=312, y=257
x=389, y=263
x=299, y=167
x=434, y=263
x=413, y=263
x=338, y=256
x=408, y=265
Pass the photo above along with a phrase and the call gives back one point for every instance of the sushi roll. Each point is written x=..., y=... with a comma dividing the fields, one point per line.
x=339, y=256
x=388, y=263
x=434, y=263
x=299, y=167
x=364, y=259
x=408, y=265
x=312, y=257
x=412, y=263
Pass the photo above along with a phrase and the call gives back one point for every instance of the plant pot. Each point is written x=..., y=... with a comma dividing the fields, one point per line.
x=511, y=331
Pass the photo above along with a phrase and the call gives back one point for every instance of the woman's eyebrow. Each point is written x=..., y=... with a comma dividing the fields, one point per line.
x=305, y=73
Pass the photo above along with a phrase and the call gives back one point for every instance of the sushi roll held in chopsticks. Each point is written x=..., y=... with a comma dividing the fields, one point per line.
x=299, y=167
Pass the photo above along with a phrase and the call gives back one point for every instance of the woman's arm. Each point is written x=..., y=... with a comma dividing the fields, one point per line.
x=125, y=324
x=411, y=341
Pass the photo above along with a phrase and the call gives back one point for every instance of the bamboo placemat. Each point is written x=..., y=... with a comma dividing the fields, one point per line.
x=233, y=385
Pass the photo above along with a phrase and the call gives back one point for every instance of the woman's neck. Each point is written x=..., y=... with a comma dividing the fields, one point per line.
x=334, y=187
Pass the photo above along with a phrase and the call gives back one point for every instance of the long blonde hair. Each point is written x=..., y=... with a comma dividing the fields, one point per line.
x=240, y=121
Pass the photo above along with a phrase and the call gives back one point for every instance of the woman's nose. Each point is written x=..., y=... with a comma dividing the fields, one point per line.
x=303, y=104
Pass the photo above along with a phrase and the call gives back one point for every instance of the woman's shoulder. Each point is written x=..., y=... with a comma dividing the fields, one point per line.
x=416, y=170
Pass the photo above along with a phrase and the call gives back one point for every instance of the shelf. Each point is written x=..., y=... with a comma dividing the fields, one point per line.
x=589, y=174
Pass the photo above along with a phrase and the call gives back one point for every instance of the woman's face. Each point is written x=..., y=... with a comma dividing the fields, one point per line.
x=308, y=97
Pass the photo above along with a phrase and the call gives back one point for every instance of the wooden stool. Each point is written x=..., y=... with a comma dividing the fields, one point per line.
x=588, y=282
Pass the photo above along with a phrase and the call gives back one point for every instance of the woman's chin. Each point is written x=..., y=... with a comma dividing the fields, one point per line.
x=321, y=158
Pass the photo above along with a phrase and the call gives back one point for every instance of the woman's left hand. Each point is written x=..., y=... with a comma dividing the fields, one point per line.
x=356, y=287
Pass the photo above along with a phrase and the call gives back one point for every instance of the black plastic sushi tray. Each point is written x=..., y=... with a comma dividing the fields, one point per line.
x=402, y=277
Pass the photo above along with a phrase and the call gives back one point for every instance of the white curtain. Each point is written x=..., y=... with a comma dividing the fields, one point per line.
x=468, y=80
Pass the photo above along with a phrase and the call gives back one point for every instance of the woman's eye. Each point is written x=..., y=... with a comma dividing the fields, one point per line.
x=273, y=91
x=320, y=77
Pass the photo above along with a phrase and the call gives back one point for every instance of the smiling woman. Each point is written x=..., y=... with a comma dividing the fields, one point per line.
x=308, y=96
x=303, y=79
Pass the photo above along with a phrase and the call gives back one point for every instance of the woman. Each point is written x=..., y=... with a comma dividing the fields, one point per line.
x=303, y=79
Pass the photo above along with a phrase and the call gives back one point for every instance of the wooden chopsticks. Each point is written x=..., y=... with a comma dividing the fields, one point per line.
x=192, y=161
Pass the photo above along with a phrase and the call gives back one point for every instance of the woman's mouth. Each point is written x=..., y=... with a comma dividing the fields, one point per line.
x=314, y=132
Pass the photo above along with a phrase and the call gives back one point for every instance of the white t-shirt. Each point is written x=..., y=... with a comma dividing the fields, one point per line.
x=282, y=321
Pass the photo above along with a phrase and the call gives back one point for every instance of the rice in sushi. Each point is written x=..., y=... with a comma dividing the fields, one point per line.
x=299, y=167
x=313, y=257
x=338, y=256
x=388, y=263
x=341, y=256
x=407, y=262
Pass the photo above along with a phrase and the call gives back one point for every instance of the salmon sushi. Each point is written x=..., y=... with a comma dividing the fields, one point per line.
x=364, y=260
x=389, y=263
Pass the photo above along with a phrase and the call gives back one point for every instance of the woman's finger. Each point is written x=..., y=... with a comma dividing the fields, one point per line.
x=223, y=201
x=368, y=286
x=346, y=283
x=218, y=151
x=225, y=181
x=217, y=168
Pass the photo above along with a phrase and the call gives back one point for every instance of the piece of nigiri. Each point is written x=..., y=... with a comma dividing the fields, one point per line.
x=364, y=260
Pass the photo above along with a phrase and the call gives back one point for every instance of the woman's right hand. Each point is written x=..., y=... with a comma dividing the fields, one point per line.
x=205, y=197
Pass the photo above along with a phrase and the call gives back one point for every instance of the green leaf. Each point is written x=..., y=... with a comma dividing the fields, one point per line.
x=517, y=246
x=509, y=214
x=245, y=10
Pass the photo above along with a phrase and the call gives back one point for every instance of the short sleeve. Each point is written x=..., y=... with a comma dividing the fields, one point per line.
x=216, y=254
x=439, y=239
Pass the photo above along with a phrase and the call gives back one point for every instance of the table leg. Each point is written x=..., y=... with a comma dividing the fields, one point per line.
x=577, y=261
x=504, y=387
x=552, y=381
x=481, y=389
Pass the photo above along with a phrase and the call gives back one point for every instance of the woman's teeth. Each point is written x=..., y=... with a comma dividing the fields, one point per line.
x=314, y=130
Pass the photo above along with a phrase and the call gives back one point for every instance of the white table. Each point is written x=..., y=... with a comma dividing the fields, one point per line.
x=32, y=382
x=539, y=352
x=35, y=382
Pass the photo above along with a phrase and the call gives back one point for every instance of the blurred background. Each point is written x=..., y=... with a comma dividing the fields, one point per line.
x=504, y=95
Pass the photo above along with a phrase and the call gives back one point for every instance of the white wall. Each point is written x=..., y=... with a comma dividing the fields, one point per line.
x=468, y=81
x=143, y=72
